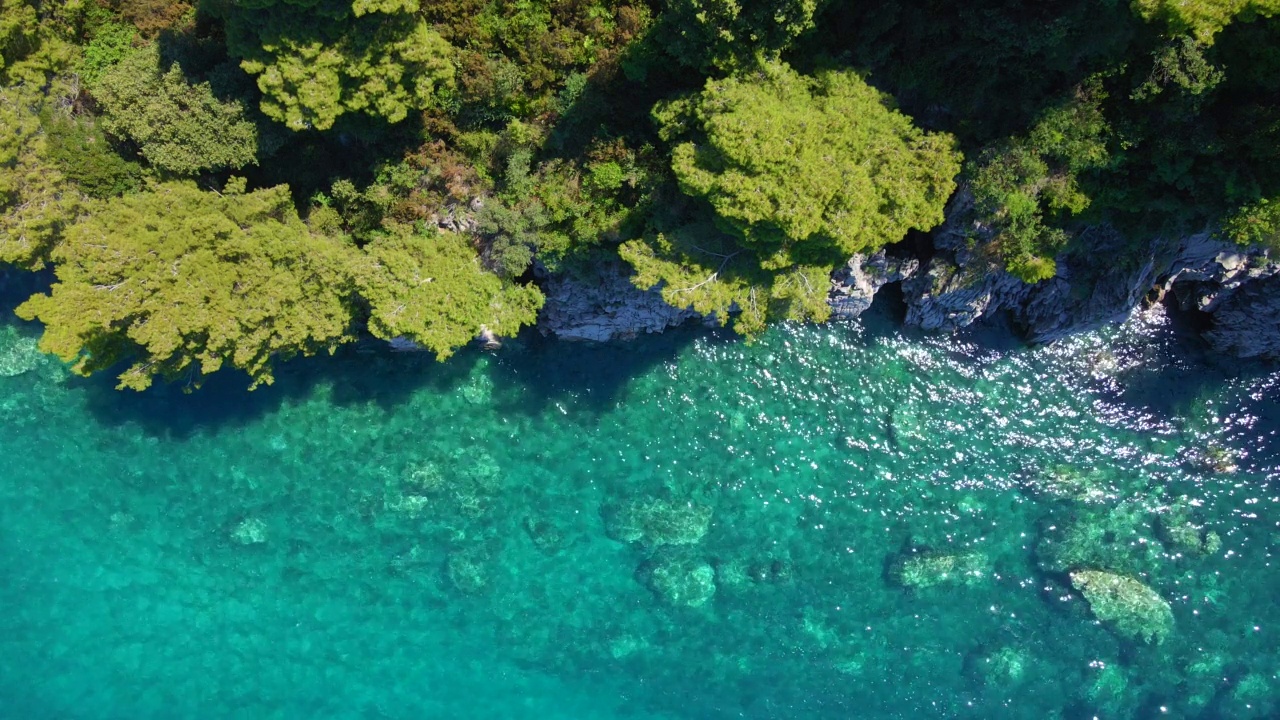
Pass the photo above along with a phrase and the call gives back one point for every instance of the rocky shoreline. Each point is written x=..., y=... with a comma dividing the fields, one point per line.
x=959, y=283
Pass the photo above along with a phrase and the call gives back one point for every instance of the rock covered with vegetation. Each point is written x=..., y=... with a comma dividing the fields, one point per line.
x=1131, y=608
x=926, y=569
x=657, y=521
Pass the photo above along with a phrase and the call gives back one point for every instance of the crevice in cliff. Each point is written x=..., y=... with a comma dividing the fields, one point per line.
x=889, y=302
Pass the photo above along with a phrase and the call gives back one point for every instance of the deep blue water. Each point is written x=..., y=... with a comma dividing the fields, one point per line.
x=832, y=522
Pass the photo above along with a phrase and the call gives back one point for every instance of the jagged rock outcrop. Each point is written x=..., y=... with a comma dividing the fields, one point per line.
x=948, y=296
x=605, y=306
x=1086, y=295
x=962, y=283
x=460, y=218
x=1247, y=323
x=854, y=286
x=1208, y=271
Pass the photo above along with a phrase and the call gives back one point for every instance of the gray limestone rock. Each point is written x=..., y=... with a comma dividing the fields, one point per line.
x=854, y=286
x=1208, y=271
x=1085, y=296
x=948, y=296
x=959, y=285
x=605, y=307
x=1247, y=324
x=460, y=218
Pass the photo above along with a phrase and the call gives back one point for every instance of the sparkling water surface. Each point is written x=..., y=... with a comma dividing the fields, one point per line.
x=832, y=522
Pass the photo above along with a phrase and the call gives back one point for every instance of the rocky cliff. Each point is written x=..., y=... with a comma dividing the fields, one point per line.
x=1238, y=288
x=962, y=282
x=605, y=306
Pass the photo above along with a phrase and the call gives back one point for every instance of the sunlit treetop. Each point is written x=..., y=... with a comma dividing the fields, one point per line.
x=180, y=282
x=1203, y=19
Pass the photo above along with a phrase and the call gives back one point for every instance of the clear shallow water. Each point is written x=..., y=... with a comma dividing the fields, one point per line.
x=380, y=537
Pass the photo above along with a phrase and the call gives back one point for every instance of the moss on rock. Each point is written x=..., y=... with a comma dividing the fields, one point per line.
x=1131, y=608
x=926, y=568
x=679, y=580
x=655, y=522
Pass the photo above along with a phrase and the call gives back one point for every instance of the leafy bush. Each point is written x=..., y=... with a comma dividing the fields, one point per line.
x=432, y=289
x=77, y=146
x=1024, y=183
x=182, y=282
x=111, y=43
x=180, y=127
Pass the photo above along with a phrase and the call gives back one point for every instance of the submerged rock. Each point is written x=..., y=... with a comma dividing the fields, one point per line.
x=546, y=535
x=250, y=531
x=18, y=353
x=1129, y=607
x=1214, y=458
x=626, y=645
x=1254, y=696
x=679, y=580
x=1002, y=669
x=1118, y=538
x=1180, y=534
x=424, y=476
x=1070, y=483
x=927, y=568
x=655, y=521
x=467, y=570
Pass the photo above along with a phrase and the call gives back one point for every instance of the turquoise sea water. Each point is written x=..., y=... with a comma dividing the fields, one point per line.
x=837, y=522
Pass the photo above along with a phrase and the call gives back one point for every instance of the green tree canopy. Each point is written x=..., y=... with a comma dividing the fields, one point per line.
x=725, y=35
x=808, y=169
x=434, y=291
x=181, y=282
x=1203, y=19
x=696, y=266
x=36, y=38
x=179, y=127
x=318, y=59
x=801, y=173
x=1019, y=184
x=36, y=201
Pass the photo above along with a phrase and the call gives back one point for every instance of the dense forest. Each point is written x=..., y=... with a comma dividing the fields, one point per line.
x=228, y=182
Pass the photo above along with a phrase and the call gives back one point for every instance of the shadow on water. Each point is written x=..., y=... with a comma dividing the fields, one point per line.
x=543, y=371
x=349, y=377
x=532, y=372
x=1189, y=369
